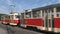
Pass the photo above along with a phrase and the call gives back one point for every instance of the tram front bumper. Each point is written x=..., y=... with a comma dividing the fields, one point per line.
x=5, y=23
x=13, y=24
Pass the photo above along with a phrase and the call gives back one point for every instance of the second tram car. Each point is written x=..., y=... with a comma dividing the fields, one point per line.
x=5, y=19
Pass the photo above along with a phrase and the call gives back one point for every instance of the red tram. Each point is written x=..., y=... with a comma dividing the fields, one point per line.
x=5, y=19
x=14, y=19
x=11, y=19
x=44, y=18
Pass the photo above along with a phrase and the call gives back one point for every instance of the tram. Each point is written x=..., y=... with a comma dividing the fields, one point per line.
x=14, y=19
x=44, y=18
x=5, y=19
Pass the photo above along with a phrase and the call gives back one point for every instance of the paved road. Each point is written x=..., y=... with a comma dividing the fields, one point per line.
x=3, y=31
x=17, y=30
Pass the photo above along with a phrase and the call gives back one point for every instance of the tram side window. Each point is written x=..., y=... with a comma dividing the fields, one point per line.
x=11, y=17
x=17, y=16
x=36, y=14
x=58, y=12
x=28, y=15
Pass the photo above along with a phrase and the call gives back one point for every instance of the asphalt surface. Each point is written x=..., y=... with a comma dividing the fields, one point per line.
x=3, y=31
x=7, y=29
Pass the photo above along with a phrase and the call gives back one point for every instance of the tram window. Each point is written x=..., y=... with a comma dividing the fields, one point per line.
x=49, y=23
x=11, y=17
x=52, y=12
x=28, y=15
x=17, y=16
x=58, y=12
x=36, y=14
x=43, y=13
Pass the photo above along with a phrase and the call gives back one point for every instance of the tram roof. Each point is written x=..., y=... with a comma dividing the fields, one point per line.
x=47, y=7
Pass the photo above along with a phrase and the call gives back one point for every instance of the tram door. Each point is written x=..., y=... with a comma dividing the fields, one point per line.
x=11, y=18
x=22, y=19
x=48, y=20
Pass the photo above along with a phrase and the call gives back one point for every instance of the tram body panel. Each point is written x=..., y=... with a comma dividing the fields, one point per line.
x=33, y=21
x=7, y=21
x=3, y=21
x=57, y=22
x=16, y=21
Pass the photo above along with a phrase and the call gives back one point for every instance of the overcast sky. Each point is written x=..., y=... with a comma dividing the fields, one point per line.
x=21, y=5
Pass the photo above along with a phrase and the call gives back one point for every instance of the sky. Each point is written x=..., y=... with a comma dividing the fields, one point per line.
x=21, y=5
